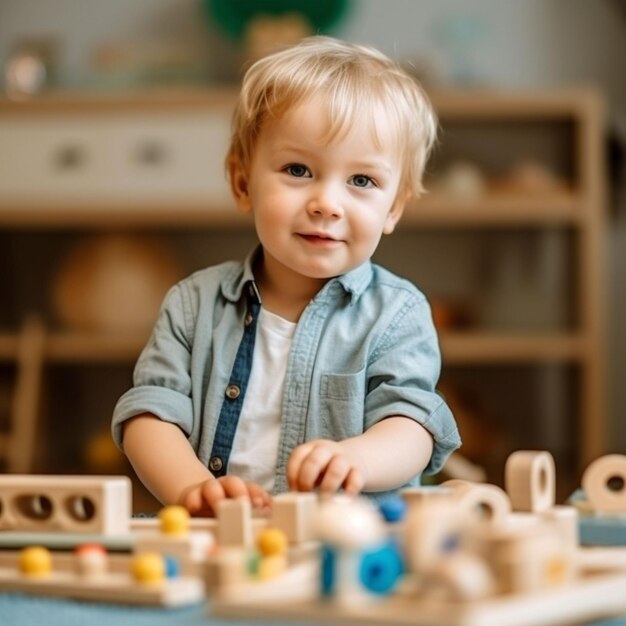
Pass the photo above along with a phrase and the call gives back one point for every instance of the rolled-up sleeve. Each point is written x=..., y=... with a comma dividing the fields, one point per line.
x=402, y=376
x=161, y=379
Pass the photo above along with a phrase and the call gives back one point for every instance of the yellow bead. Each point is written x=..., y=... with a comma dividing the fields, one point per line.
x=174, y=520
x=272, y=541
x=271, y=566
x=35, y=561
x=148, y=568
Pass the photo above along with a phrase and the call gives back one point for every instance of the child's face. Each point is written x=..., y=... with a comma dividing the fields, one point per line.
x=320, y=208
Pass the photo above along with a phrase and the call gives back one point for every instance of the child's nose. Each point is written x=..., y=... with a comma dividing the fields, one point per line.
x=325, y=203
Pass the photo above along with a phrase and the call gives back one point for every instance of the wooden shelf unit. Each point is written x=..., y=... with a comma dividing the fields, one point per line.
x=579, y=210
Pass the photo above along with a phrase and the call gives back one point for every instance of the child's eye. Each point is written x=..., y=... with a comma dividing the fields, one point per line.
x=298, y=170
x=361, y=180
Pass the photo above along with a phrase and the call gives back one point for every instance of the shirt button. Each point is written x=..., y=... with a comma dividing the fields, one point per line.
x=249, y=319
x=232, y=392
x=216, y=464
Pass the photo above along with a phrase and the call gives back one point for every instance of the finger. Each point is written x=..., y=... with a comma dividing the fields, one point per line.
x=212, y=492
x=259, y=497
x=313, y=468
x=335, y=474
x=193, y=500
x=295, y=461
x=234, y=487
x=354, y=482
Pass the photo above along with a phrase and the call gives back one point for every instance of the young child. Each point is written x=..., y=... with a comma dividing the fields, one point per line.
x=306, y=366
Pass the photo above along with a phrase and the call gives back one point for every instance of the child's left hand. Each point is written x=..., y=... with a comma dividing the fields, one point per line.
x=327, y=465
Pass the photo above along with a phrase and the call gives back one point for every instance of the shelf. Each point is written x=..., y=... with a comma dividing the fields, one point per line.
x=457, y=347
x=571, y=119
x=432, y=210
x=495, y=210
x=19, y=216
x=484, y=348
x=78, y=347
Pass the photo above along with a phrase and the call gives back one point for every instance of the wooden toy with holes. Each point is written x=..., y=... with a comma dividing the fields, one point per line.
x=463, y=554
x=602, y=502
x=89, y=514
x=100, y=554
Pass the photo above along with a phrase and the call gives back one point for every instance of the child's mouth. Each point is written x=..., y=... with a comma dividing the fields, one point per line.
x=319, y=240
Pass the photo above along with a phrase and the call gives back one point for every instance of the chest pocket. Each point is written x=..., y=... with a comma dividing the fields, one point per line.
x=342, y=403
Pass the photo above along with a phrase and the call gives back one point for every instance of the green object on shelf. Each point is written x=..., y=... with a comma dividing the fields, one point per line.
x=233, y=16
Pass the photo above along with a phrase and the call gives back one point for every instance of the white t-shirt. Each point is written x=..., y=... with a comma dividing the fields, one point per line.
x=255, y=447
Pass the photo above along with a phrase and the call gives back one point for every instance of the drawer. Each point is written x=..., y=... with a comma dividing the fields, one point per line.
x=130, y=159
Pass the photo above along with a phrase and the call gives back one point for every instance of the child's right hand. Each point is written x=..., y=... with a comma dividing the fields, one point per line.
x=202, y=499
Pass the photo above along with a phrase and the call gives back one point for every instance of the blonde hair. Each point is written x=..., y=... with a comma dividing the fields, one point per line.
x=355, y=80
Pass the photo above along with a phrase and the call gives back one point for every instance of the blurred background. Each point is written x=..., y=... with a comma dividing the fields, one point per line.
x=114, y=120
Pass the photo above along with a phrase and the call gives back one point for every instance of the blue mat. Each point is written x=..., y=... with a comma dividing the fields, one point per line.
x=21, y=610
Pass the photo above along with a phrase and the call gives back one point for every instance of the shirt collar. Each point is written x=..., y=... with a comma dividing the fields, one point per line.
x=354, y=282
x=241, y=279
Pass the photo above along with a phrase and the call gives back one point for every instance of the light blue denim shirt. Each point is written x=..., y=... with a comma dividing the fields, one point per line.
x=365, y=348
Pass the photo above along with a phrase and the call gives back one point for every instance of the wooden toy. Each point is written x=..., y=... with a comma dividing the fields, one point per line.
x=480, y=501
x=272, y=546
x=463, y=554
x=530, y=480
x=174, y=539
x=520, y=567
x=91, y=559
x=146, y=585
x=235, y=523
x=84, y=504
x=604, y=484
x=579, y=602
x=90, y=512
x=293, y=514
x=602, y=502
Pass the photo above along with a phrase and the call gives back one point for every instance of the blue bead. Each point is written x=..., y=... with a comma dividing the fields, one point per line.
x=393, y=509
x=172, y=567
x=380, y=569
x=329, y=559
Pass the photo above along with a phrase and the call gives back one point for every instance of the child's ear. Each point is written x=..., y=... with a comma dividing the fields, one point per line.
x=238, y=178
x=395, y=213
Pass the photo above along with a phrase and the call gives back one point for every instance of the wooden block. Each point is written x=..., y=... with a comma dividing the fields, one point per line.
x=66, y=561
x=530, y=559
x=209, y=524
x=226, y=568
x=462, y=577
x=293, y=513
x=298, y=583
x=234, y=518
x=604, y=484
x=429, y=527
x=479, y=502
x=583, y=601
x=566, y=519
x=600, y=559
x=12, y=540
x=78, y=504
x=192, y=548
x=111, y=587
x=530, y=480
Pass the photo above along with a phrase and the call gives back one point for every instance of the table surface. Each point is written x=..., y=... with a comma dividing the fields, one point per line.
x=21, y=610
